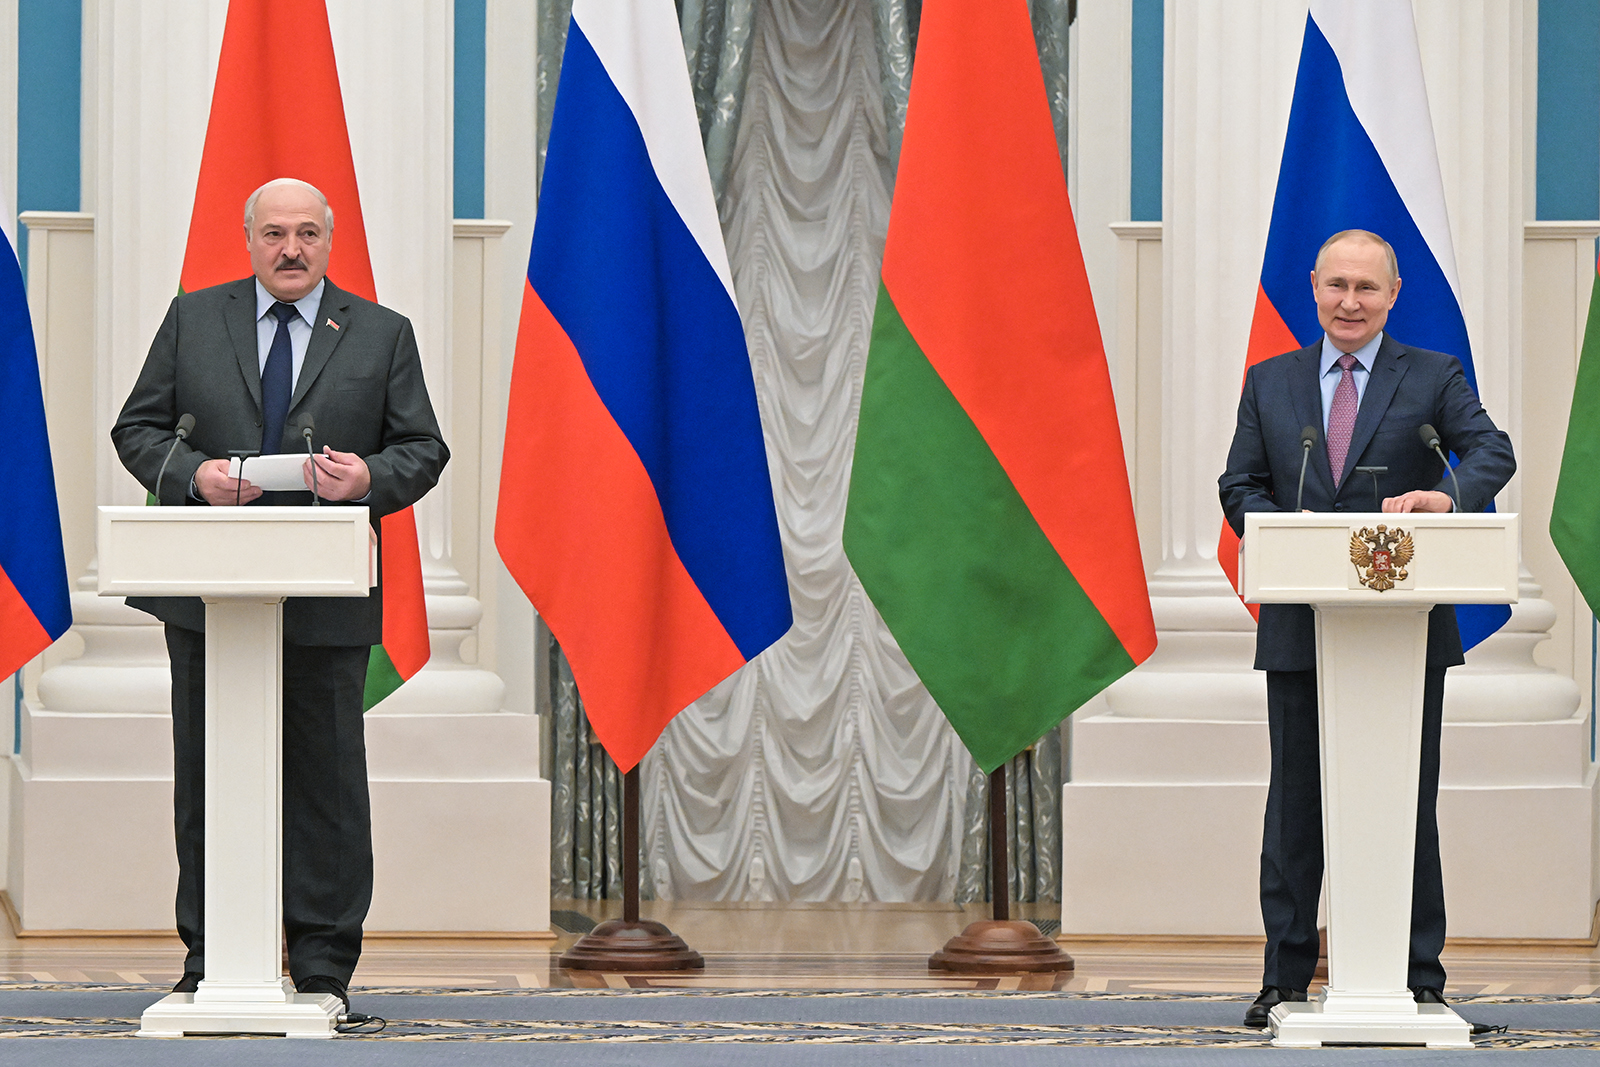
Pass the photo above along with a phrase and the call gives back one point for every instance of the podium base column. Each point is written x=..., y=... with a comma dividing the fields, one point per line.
x=243, y=1008
x=1326, y=1022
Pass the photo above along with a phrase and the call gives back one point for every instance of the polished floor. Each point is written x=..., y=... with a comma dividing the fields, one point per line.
x=801, y=947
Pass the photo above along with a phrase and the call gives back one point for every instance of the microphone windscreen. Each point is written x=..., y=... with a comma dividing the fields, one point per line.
x=307, y=425
x=1308, y=436
x=1429, y=435
x=185, y=424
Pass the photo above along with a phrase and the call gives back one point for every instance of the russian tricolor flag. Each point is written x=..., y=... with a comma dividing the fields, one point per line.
x=636, y=508
x=35, y=608
x=1360, y=154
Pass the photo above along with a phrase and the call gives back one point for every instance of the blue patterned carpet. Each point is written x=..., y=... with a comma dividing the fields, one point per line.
x=49, y=1025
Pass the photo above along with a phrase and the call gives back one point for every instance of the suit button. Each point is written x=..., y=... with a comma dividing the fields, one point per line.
x=258, y=424
x=1338, y=507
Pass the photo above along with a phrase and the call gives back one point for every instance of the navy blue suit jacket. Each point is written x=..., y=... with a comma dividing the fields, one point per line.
x=1406, y=388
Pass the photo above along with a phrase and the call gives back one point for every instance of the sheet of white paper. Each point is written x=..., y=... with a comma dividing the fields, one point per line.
x=274, y=473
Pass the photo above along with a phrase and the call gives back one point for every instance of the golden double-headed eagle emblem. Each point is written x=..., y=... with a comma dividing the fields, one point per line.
x=1381, y=556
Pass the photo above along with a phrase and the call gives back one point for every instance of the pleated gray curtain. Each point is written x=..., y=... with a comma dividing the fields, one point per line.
x=718, y=41
x=585, y=801
x=1033, y=827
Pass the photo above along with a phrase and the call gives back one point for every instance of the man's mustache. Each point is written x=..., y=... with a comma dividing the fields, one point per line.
x=288, y=263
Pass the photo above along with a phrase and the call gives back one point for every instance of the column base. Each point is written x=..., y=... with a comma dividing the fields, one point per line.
x=1310, y=1025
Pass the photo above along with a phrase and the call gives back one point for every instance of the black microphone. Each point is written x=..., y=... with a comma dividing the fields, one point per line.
x=1430, y=437
x=308, y=427
x=1308, y=440
x=184, y=429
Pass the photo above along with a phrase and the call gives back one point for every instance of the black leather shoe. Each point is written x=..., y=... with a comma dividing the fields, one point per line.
x=189, y=982
x=1255, y=1016
x=323, y=983
x=1425, y=994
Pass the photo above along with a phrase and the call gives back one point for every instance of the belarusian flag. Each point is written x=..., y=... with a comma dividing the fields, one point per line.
x=277, y=112
x=1575, y=515
x=990, y=518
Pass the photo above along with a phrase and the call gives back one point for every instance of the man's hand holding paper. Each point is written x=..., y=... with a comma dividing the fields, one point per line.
x=340, y=475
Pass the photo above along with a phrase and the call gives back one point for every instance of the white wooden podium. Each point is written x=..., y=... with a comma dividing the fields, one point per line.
x=243, y=562
x=1372, y=640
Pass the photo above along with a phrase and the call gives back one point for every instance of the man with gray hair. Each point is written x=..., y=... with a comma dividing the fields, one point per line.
x=252, y=360
x=1369, y=395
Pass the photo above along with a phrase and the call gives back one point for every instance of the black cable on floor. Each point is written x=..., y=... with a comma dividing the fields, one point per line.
x=354, y=1022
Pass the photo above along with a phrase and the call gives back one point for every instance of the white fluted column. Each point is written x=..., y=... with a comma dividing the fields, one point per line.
x=1161, y=821
x=460, y=815
x=1515, y=767
x=461, y=823
x=1169, y=769
x=96, y=754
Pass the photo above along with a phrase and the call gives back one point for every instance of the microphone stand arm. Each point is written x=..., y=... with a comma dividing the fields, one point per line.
x=162, y=473
x=1305, y=458
x=311, y=457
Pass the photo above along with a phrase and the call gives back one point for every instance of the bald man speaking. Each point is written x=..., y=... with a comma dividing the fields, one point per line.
x=1369, y=394
x=250, y=360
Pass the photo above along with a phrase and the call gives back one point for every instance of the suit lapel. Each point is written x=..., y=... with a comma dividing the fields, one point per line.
x=1307, y=399
x=240, y=320
x=334, y=310
x=1387, y=370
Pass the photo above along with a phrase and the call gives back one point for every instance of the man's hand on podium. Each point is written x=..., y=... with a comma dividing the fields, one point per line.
x=211, y=481
x=1420, y=500
x=340, y=475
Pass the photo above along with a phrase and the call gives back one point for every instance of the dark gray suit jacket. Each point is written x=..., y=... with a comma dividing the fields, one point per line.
x=1406, y=388
x=361, y=382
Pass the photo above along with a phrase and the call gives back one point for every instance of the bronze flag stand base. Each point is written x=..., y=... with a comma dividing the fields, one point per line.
x=999, y=945
x=994, y=946
x=620, y=945
x=627, y=944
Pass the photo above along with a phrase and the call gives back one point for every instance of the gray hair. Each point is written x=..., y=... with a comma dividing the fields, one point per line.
x=1362, y=235
x=296, y=183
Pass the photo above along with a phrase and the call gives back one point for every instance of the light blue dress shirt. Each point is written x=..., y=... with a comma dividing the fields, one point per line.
x=1331, y=373
x=299, y=326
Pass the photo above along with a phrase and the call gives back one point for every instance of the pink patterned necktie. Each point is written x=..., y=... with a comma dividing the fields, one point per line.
x=1342, y=417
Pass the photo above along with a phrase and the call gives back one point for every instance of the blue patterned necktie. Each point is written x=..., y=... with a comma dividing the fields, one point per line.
x=277, y=381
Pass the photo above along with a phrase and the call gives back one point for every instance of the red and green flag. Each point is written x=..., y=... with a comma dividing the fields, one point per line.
x=1575, y=514
x=990, y=518
x=277, y=112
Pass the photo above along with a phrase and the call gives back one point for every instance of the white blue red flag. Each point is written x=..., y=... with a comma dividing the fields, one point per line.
x=636, y=508
x=1360, y=154
x=35, y=608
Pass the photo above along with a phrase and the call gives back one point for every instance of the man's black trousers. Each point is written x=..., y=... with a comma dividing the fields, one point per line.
x=327, y=823
x=1291, y=843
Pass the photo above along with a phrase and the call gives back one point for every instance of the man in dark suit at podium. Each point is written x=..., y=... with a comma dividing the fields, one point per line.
x=1369, y=395
x=250, y=360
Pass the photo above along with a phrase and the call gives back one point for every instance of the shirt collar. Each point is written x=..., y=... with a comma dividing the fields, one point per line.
x=1331, y=353
x=306, y=305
